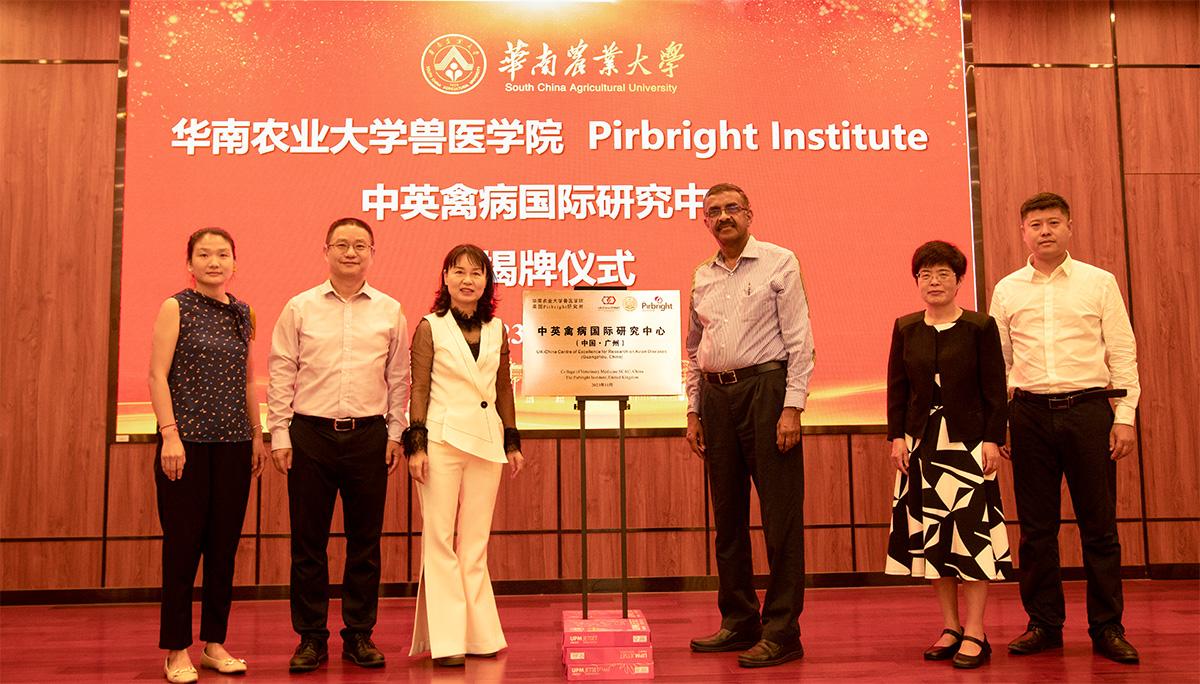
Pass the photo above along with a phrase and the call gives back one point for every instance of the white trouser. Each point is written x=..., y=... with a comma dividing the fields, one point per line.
x=456, y=609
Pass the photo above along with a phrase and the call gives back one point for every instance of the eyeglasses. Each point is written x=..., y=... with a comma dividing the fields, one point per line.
x=943, y=276
x=358, y=247
x=731, y=209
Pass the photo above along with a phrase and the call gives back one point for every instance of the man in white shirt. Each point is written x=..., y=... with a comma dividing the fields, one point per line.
x=1069, y=348
x=339, y=382
x=750, y=349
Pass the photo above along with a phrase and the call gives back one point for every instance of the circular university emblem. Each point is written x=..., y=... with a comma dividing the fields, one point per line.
x=453, y=64
x=630, y=303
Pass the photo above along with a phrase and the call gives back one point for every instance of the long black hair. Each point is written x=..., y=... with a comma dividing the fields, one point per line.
x=486, y=307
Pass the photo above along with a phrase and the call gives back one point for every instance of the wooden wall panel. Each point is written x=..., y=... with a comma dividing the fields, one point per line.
x=870, y=549
x=874, y=479
x=1160, y=109
x=650, y=554
x=57, y=135
x=1055, y=130
x=132, y=503
x=521, y=556
x=1175, y=542
x=1158, y=31
x=1165, y=256
x=828, y=550
x=393, y=555
x=76, y=29
x=529, y=501
x=132, y=496
x=664, y=484
x=826, y=480
x=134, y=563
x=1024, y=32
x=49, y=565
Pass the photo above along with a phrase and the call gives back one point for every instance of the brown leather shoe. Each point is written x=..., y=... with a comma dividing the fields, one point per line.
x=767, y=653
x=1035, y=640
x=450, y=661
x=1112, y=645
x=723, y=640
x=945, y=652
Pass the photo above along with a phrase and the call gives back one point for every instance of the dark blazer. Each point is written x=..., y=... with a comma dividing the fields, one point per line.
x=968, y=355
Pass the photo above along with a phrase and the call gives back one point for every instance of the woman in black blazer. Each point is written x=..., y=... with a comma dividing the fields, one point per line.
x=946, y=420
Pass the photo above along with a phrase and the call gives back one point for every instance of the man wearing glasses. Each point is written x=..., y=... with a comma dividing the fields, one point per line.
x=750, y=348
x=339, y=373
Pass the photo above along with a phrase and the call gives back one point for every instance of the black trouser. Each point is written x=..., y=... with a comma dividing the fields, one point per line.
x=324, y=462
x=201, y=514
x=740, y=423
x=1047, y=444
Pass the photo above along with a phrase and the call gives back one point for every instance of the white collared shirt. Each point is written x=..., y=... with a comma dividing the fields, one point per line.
x=753, y=313
x=1067, y=331
x=338, y=358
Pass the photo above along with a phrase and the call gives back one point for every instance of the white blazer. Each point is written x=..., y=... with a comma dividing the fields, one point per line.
x=462, y=394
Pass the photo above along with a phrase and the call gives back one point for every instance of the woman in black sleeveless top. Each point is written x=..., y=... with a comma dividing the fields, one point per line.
x=210, y=446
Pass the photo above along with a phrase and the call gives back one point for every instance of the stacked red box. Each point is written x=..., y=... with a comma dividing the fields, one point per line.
x=607, y=646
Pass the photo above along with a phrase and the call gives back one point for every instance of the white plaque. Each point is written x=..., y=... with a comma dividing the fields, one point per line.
x=592, y=343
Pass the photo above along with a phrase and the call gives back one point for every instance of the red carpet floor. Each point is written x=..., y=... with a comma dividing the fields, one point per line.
x=862, y=634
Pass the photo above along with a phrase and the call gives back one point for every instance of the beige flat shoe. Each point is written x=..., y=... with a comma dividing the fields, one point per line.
x=181, y=675
x=224, y=666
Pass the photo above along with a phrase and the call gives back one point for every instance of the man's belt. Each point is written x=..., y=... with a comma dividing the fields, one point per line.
x=1067, y=399
x=730, y=377
x=339, y=424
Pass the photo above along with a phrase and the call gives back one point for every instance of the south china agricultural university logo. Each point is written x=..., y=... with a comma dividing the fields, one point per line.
x=453, y=64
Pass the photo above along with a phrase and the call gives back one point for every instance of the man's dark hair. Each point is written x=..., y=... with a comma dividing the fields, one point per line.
x=939, y=253
x=349, y=221
x=1045, y=200
x=728, y=187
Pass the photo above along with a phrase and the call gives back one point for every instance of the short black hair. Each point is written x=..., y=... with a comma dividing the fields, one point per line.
x=349, y=221
x=728, y=187
x=1045, y=200
x=939, y=253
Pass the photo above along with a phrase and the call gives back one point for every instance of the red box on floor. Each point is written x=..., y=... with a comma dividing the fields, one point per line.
x=605, y=628
x=584, y=671
x=608, y=654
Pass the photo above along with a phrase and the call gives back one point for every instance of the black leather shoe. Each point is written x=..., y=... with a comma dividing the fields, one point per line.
x=309, y=655
x=767, y=653
x=1035, y=640
x=966, y=662
x=945, y=652
x=724, y=640
x=360, y=650
x=1112, y=645
x=450, y=661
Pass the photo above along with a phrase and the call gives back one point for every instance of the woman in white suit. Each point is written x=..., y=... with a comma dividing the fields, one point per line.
x=462, y=432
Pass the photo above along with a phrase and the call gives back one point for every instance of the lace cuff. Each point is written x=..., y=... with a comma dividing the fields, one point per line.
x=512, y=440
x=414, y=438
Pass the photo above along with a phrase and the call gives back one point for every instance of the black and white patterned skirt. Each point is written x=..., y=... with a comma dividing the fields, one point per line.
x=947, y=520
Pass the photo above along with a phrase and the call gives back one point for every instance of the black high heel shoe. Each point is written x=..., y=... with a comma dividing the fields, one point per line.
x=945, y=652
x=966, y=662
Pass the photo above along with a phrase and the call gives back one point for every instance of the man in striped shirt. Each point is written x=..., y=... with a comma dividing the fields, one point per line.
x=750, y=348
